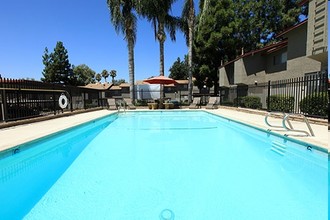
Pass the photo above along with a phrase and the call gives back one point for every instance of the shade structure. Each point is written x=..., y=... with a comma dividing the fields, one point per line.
x=160, y=80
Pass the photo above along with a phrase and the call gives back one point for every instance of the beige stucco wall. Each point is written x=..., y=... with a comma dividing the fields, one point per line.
x=297, y=41
x=250, y=69
x=317, y=34
x=226, y=75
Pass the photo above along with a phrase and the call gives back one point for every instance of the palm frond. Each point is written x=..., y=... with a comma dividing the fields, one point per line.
x=171, y=24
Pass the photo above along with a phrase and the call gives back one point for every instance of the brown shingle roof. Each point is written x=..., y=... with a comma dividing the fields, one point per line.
x=115, y=88
x=124, y=85
x=98, y=86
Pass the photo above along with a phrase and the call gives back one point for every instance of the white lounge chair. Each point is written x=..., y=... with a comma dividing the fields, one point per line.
x=129, y=104
x=112, y=104
x=196, y=103
x=213, y=103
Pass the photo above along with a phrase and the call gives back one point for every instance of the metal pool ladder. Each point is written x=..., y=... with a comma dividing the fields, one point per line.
x=286, y=124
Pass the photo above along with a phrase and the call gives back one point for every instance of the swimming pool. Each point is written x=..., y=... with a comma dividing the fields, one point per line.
x=164, y=165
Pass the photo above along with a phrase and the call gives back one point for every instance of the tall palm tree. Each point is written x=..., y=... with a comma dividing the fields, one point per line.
x=188, y=24
x=113, y=74
x=124, y=20
x=203, y=7
x=158, y=13
x=98, y=77
x=105, y=75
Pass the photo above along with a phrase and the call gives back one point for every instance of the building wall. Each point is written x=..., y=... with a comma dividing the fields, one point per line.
x=226, y=75
x=250, y=69
x=317, y=34
x=276, y=68
x=297, y=42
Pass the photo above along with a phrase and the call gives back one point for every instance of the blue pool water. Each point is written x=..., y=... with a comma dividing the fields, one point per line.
x=164, y=165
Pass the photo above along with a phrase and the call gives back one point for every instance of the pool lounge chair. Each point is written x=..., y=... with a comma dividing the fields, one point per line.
x=196, y=103
x=129, y=104
x=112, y=104
x=213, y=103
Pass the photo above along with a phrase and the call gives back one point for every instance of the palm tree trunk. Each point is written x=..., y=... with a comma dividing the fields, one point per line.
x=131, y=69
x=190, y=85
x=161, y=73
x=191, y=19
x=161, y=39
x=161, y=50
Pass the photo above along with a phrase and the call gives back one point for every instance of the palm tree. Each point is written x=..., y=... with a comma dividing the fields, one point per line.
x=113, y=74
x=125, y=21
x=188, y=23
x=98, y=77
x=157, y=12
x=105, y=75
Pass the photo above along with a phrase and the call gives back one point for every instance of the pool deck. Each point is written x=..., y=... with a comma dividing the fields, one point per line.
x=13, y=136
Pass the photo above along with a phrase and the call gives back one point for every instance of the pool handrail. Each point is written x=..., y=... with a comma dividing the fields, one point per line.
x=286, y=119
x=275, y=114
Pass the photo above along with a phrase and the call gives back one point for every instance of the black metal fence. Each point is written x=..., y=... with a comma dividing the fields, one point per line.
x=21, y=99
x=306, y=95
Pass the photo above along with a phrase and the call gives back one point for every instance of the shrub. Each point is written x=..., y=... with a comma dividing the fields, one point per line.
x=141, y=102
x=227, y=103
x=238, y=102
x=315, y=104
x=281, y=103
x=253, y=102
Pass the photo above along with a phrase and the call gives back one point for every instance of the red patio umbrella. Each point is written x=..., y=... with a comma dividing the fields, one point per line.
x=160, y=80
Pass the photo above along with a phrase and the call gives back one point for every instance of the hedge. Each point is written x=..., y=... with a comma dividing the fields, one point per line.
x=253, y=102
x=281, y=103
x=315, y=104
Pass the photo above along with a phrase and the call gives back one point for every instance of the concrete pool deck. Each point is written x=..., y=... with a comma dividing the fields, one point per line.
x=17, y=135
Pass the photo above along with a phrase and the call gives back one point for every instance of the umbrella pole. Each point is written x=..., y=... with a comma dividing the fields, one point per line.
x=161, y=96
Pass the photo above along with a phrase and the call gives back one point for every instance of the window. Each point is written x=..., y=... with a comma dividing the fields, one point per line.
x=280, y=58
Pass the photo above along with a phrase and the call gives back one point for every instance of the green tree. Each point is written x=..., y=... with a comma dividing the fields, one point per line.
x=179, y=70
x=82, y=75
x=98, y=77
x=124, y=20
x=117, y=82
x=213, y=40
x=49, y=75
x=105, y=75
x=188, y=25
x=265, y=18
x=57, y=66
x=113, y=74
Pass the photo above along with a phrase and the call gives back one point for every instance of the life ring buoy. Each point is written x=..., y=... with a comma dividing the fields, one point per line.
x=63, y=101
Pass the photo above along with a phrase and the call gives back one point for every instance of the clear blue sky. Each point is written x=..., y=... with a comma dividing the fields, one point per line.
x=84, y=27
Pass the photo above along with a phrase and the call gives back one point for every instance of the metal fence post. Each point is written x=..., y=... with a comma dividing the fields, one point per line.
x=54, y=101
x=3, y=104
x=268, y=97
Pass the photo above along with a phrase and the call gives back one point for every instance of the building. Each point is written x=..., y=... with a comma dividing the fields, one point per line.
x=301, y=50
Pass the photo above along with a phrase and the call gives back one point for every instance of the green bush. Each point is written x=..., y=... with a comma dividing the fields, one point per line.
x=253, y=102
x=281, y=103
x=141, y=102
x=315, y=104
x=227, y=103
x=238, y=102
